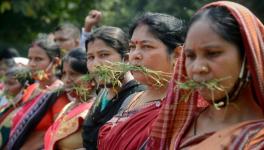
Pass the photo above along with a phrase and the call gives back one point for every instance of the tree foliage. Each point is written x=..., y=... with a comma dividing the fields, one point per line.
x=22, y=20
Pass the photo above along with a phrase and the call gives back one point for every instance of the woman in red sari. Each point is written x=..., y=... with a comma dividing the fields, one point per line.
x=65, y=132
x=154, y=36
x=224, y=41
x=39, y=112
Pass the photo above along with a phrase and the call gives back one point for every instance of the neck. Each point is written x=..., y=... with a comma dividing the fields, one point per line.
x=43, y=84
x=242, y=109
x=154, y=93
x=114, y=90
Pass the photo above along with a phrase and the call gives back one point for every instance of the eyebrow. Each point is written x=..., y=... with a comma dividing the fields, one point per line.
x=209, y=46
x=99, y=51
x=141, y=42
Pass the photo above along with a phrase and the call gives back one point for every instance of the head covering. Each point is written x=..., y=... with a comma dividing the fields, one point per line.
x=176, y=115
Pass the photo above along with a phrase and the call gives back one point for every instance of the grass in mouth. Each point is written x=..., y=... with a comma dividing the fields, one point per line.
x=213, y=85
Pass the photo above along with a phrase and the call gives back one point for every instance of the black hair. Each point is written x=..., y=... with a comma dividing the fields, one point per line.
x=8, y=62
x=21, y=73
x=223, y=23
x=77, y=60
x=48, y=45
x=8, y=53
x=70, y=28
x=111, y=36
x=170, y=30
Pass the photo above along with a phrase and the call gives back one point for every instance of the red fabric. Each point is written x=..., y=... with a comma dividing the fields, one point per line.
x=52, y=113
x=23, y=110
x=54, y=134
x=49, y=117
x=130, y=134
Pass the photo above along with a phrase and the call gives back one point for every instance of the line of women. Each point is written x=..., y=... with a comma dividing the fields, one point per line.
x=211, y=97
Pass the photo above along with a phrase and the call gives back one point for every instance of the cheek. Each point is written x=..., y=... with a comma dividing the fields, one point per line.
x=188, y=67
x=158, y=61
x=14, y=88
x=91, y=66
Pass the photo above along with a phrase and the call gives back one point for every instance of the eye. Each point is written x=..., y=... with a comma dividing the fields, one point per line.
x=90, y=57
x=213, y=54
x=190, y=55
x=132, y=47
x=38, y=59
x=146, y=46
x=104, y=55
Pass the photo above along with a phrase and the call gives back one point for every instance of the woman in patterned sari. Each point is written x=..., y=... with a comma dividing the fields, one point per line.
x=65, y=132
x=224, y=43
x=38, y=113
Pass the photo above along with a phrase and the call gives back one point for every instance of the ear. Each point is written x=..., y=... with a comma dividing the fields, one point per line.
x=126, y=58
x=176, y=54
x=77, y=42
x=57, y=61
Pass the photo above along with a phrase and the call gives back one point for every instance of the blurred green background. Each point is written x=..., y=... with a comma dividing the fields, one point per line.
x=22, y=20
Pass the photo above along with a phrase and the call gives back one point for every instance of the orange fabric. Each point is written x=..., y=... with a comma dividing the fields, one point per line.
x=66, y=125
x=28, y=92
x=176, y=115
x=51, y=115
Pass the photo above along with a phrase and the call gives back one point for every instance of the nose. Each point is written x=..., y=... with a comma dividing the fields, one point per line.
x=200, y=66
x=31, y=64
x=135, y=55
x=66, y=79
x=91, y=65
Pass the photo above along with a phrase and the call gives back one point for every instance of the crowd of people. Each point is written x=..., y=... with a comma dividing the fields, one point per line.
x=191, y=85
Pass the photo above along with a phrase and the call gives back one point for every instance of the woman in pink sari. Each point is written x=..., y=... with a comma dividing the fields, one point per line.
x=224, y=43
x=65, y=132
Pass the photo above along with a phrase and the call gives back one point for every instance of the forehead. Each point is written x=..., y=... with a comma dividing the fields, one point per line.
x=37, y=51
x=98, y=45
x=62, y=34
x=201, y=33
x=142, y=33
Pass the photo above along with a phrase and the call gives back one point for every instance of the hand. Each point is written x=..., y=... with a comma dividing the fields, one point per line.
x=92, y=19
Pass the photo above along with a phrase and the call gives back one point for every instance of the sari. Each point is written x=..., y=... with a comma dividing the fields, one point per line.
x=69, y=121
x=9, y=111
x=128, y=134
x=37, y=114
x=176, y=116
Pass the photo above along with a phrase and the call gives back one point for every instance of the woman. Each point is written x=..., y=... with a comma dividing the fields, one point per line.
x=65, y=133
x=221, y=34
x=15, y=87
x=154, y=37
x=106, y=44
x=38, y=113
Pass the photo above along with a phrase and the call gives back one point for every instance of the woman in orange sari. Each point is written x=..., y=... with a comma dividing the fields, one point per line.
x=39, y=112
x=224, y=43
x=65, y=132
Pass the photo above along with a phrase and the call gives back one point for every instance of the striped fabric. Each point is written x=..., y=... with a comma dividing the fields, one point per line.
x=176, y=115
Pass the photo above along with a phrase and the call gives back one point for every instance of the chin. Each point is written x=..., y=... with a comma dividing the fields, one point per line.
x=140, y=77
x=211, y=96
